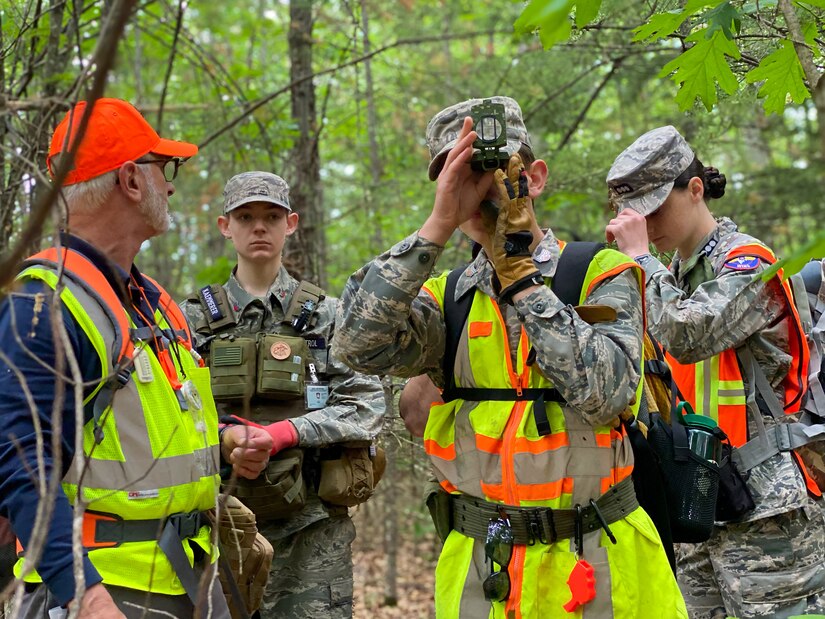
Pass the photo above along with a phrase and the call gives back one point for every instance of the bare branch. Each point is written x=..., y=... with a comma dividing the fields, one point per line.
x=103, y=60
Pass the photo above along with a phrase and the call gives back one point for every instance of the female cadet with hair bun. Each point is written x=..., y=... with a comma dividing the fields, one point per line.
x=723, y=326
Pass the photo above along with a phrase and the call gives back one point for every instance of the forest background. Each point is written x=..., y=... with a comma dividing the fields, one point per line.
x=335, y=95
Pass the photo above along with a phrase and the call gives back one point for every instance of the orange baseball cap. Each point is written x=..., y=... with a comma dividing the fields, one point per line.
x=116, y=133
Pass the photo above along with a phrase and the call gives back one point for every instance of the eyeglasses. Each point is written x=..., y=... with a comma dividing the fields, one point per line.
x=498, y=547
x=169, y=166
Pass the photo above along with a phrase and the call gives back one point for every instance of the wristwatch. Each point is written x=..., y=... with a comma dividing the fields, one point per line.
x=643, y=259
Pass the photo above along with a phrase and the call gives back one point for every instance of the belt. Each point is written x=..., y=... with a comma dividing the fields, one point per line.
x=102, y=530
x=471, y=516
x=107, y=531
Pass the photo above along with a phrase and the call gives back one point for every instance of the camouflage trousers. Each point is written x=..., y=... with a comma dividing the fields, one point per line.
x=311, y=575
x=772, y=567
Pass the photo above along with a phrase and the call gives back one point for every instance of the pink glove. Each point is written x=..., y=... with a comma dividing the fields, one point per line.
x=284, y=435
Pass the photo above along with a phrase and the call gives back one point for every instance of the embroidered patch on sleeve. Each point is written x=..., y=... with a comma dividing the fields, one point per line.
x=742, y=263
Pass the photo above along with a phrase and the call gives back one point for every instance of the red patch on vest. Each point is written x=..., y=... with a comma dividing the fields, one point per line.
x=480, y=329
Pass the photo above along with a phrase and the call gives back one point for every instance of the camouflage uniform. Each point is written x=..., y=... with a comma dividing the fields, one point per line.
x=311, y=573
x=770, y=563
x=386, y=325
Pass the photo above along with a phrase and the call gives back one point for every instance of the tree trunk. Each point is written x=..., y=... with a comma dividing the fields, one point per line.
x=806, y=59
x=391, y=539
x=306, y=253
x=376, y=167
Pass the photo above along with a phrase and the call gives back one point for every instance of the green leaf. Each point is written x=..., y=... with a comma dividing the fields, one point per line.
x=552, y=18
x=700, y=68
x=810, y=32
x=543, y=14
x=659, y=26
x=817, y=3
x=783, y=77
x=587, y=11
x=723, y=17
x=560, y=31
x=793, y=263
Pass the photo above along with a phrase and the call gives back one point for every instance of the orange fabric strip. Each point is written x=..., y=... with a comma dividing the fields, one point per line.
x=437, y=451
x=480, y=329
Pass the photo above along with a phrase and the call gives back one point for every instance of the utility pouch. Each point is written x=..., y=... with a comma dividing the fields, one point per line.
x=350, y=472
x=232, y=363
x=282, y=360
x=734, y=499
x=280, y=490
x=248, y=556
x=438, y=503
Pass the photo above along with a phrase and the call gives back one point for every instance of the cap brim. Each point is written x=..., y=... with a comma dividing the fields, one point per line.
x=250, y=199
x=647, y=203
x=513, y=146
x=172, y=148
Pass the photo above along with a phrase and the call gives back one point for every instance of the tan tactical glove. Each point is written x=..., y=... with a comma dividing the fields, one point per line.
x=513, y=235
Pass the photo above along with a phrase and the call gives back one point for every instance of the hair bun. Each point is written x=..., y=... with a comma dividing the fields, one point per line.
x=714, y=183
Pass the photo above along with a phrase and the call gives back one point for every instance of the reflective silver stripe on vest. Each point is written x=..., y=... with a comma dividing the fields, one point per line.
x=140, y=469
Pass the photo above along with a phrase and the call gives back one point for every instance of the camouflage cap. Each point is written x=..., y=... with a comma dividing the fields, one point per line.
x=641, y=178
x=249, y=187
x=443, y=129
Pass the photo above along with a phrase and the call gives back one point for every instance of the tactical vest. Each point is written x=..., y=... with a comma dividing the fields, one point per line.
x=150, y=453
x=277, y=366
x=268, y=366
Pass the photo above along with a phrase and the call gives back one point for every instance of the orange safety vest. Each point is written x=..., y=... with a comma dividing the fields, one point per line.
x=715, y=387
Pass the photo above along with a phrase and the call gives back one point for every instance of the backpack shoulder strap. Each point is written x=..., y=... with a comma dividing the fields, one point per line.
x=572, y=268
x=456, y=313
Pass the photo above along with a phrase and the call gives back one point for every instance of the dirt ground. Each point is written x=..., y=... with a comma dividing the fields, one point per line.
x=416, y=566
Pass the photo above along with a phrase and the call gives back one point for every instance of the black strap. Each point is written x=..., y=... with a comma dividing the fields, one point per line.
x=573, y=263
x=478, y=394
x=456, y=313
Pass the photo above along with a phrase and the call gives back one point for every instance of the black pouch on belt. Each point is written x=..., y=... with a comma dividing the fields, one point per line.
x=734, y=499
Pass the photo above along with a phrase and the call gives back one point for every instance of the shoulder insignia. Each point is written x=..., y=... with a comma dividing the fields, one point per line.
x=742, y=263
x=211, y=303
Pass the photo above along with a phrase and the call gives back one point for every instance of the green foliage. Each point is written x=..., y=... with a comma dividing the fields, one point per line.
x=701, y=68
x=815, y=249
x=659, y=26
x=783, y=78
x=551, y=18
x=216, y=273
x=723, y=17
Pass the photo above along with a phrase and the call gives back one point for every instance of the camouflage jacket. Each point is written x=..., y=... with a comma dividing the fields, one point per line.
x=355, y=407
x=385, y=325
x=698, y=308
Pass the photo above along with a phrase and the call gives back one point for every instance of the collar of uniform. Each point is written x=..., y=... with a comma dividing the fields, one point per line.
x=479, y=273
x=118, y=279
x=280, y=291
x=708, y=245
